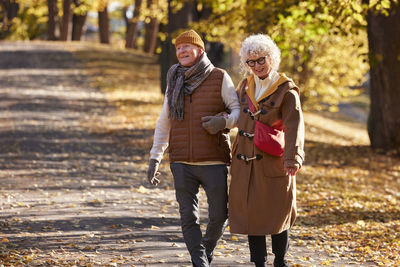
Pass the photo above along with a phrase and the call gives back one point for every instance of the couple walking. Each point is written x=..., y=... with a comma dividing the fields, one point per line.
x=200, y=106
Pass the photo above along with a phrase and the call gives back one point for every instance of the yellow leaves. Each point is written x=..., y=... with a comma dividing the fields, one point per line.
x=347, y=196
x=235, y=238
x=142, y=190
x=361, y=223
x=360, y=18
x=5, y=240
x=28, y=258
x=333, y=108
x=306, y=234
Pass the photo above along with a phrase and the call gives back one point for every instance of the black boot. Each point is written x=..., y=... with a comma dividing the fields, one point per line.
x=280, y=262
x=280, y=246
x=258, y=250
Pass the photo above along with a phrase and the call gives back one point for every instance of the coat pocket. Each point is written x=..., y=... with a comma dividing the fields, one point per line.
x=272, y=166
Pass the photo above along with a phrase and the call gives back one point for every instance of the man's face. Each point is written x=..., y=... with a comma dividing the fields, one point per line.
x=187, y=54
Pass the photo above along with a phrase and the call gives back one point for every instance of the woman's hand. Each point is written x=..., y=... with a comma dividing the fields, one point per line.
x=292, y=170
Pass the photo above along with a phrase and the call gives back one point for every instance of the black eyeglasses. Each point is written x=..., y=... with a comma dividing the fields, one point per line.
x=252, y=63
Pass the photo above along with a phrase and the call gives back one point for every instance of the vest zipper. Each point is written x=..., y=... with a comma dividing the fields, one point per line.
x=190, y=130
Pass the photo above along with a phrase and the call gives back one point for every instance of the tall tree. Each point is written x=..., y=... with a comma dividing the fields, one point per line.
x=151, y=29
x=8, y=10
x=78, y=20
x=51, y=24
x=132, y=31
x=384, y=45
x=65, y=25
x=104, y=25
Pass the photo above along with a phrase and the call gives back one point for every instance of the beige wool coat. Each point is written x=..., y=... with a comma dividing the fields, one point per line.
x=262, y=197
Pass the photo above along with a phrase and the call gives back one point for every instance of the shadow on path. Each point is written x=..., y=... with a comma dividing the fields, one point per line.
x=68, y=188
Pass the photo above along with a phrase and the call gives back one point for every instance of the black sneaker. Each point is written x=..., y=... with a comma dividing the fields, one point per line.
x=210, y=258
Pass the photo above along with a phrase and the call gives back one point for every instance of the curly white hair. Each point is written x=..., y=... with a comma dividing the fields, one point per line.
x=259, y=45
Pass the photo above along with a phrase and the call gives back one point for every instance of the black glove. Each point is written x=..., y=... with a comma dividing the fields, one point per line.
x=213, y=124
x=152, y=173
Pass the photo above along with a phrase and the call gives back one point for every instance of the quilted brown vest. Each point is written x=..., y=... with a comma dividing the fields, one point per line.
x=188, y=140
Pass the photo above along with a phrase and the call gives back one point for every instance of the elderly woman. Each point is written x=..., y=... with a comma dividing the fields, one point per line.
x=267, y=153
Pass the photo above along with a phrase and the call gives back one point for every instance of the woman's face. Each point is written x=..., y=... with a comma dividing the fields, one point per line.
x=259, y=65
x=187, y=54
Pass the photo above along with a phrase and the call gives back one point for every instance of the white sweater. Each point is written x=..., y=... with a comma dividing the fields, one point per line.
x=161, y=133
x=263, y=85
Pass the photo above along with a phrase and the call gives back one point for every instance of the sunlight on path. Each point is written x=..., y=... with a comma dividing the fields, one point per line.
x=73, y=163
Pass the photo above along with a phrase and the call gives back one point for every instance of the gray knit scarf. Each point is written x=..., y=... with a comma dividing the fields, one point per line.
x=183, y=81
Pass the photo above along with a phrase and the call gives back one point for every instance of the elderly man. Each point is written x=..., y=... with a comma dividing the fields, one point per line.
x=199, y=107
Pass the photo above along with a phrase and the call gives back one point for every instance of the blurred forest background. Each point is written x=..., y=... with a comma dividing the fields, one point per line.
x=81, y=85
x=334, y=50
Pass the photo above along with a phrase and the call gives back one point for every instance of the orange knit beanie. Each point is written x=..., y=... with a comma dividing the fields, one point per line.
x=190, y=37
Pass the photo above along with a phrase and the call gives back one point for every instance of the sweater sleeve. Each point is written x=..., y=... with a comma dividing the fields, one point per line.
x=231, y=101
x=161, y=133
x=293, y=122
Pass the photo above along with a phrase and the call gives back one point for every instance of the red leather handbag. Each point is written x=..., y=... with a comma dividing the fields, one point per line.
x=269, y=139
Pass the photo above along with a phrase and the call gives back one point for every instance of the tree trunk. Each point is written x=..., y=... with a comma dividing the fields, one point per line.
x=384, y=49
x=131, y=35
x=104, y=26
x=8, y=10
x=151, y=36
x=151, y=32
x=66, y=20
x=78, y=21
x=51, y=24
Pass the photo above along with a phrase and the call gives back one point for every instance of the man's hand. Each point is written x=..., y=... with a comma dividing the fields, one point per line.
x=213, y=124
x=152, y=173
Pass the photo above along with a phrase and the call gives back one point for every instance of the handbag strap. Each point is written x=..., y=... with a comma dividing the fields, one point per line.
x=250, y=103
x=278, y=125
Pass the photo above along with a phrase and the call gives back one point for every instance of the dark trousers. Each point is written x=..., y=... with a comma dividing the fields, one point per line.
x=187, y=181
x=258, y=247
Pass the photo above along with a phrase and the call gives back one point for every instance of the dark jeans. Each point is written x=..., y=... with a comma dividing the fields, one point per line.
x=258, y=247
x=187, y=181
